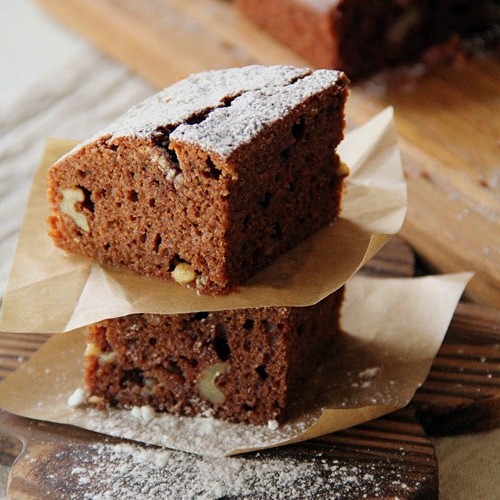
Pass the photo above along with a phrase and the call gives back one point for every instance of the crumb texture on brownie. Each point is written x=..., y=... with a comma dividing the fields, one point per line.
x=241, y=366
x=209, y=180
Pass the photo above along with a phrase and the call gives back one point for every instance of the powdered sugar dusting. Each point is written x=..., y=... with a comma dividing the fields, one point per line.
x=202, y=434
x=204, y=92
x=131, y=471
x=226, y=128
x=197, y=93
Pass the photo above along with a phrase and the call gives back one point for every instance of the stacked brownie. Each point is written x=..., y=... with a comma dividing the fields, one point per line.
x=206, y=183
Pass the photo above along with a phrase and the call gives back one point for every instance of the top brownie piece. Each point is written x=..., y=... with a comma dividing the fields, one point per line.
x=209, y=180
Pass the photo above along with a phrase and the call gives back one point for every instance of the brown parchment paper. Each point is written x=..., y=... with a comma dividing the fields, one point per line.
x=51, y=291
x=393, y=330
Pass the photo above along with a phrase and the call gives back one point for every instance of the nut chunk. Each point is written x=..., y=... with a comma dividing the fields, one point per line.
x=68, y=206
x=208, y=181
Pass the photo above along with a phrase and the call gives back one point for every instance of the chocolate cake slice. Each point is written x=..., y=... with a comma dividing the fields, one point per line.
x=209, y=180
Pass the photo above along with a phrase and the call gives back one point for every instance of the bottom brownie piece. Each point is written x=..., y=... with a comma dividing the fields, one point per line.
x=242, y=366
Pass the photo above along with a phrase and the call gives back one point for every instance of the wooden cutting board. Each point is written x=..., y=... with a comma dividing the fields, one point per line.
x=387, y=458
x=448, y=119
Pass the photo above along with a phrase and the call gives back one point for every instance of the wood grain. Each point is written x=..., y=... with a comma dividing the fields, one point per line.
x=17, y=347
x=448, y=119
x=388, y=458
x=449, y=125
x=462, y=392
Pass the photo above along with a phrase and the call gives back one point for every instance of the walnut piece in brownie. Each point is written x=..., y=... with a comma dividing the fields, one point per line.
x=209, y=180
x=241, y=366
x=361, y=37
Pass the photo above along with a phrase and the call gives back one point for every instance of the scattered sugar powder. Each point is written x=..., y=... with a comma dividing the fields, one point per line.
x=77, y=398
x=144, y=413
x=366, y=377
x=132, y=471
x=204, y=435
x=273, y=425
x=369, y=372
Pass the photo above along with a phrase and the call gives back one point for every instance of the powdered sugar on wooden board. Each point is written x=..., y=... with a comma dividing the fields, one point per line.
x=131, y=471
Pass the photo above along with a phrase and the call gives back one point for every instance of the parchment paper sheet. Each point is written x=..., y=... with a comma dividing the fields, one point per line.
x=394, y=328
x=51, y=291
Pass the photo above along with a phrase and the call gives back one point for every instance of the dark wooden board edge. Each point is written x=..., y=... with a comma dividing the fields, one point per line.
x=388, y=458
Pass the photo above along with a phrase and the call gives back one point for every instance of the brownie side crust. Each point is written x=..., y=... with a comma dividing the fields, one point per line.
x=242, y=366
